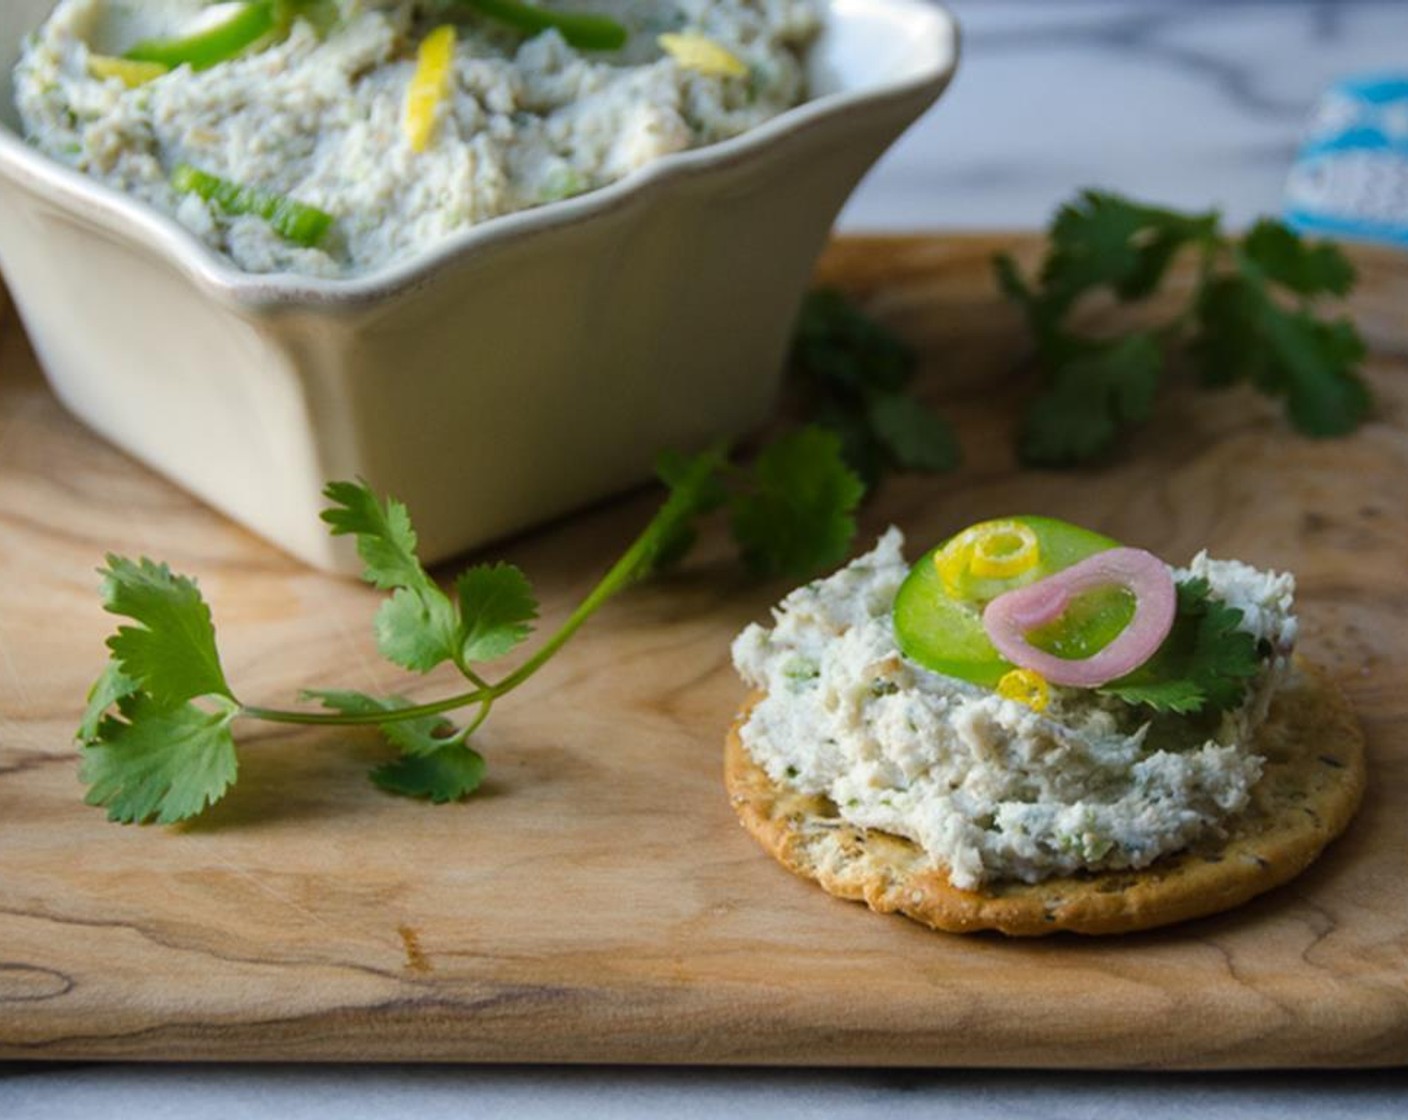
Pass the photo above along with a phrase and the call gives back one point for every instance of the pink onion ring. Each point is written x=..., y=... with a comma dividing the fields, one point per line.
x=1009, y=618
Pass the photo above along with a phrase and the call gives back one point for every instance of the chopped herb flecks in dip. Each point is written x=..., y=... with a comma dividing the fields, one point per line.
x=989, y=787
x=314, y=115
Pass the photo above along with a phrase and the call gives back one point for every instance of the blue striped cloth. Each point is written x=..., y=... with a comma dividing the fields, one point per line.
x=1350, y=178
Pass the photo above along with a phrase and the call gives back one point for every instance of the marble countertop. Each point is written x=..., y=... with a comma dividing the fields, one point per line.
x=1187, y=102
x=445, y=1093
x=1191, y=103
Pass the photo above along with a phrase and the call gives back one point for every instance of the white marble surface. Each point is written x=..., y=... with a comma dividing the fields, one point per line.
x=1188, y=102
x=1191, y=102
x=428, y=1093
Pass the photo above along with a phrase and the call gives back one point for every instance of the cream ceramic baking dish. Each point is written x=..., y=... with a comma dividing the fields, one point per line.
x=520, y=369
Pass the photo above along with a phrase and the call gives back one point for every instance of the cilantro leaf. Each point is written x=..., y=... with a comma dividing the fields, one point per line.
x=1090, y=400
x=798, y=514
x=837, y=346
x=449, y=774
x=916, y=436
x=854, y=373
x=386, y=540
x=1285, y=258
x=1228, y=347
x=1224, y=658
x=112, y=687
x=497, y=610
x=418, y=627
x=160, y=763
x=1245, y=335
x=1012, y=284
x=861, y=446
x=414, y=629
x=171, y=654
x=424, y=735
x=435, y=763
x=1314, y=364
x=1206, y=662
x=1103, y=240
x=1181, y=696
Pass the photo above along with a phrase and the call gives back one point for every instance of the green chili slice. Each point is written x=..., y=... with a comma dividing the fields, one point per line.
x=203, y=49
x=294, y=221
x=582, y=29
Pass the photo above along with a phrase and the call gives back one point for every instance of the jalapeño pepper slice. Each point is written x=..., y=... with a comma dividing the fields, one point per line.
x=210, y=46
x=938, y=613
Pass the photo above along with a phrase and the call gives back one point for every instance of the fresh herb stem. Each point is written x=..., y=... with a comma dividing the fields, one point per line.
x=622, y=574
x=632, y=565
x=358, y=719
x=467, y=671
x=478, y=722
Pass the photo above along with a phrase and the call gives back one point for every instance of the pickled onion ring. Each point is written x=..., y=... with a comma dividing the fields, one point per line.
x=1009, y=618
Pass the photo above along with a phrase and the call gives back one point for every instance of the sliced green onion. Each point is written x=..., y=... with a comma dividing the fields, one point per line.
x=203, y=49
x=581, y=29
x=294, y=221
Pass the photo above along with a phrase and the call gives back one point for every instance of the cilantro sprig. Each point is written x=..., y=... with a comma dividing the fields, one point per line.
x=158, y=735
x=1251, y=319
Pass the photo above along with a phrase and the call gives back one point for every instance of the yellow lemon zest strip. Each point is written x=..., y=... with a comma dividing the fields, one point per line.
x=1025, y=687
x=703, y=55
x=429, y=85
x=952, y=562
x=1004, y=549
x=997, y=550
x=128, y=71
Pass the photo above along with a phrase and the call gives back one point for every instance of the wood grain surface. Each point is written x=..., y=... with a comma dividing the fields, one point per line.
x=599, y=902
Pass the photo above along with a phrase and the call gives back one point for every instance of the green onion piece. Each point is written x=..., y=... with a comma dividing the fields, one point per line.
x=583, y=30
x=294, y=221
x=204, y=49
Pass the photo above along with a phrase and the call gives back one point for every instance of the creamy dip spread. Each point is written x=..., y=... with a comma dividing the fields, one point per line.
x=989, y=788
x=319, y=117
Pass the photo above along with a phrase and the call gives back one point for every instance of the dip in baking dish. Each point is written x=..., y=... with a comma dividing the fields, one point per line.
x=252, y=153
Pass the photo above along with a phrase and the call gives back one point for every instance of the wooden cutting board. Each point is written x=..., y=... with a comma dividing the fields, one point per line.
x=598, y=902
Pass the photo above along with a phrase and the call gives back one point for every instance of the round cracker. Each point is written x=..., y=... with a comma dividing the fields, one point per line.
x=1311, y=786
